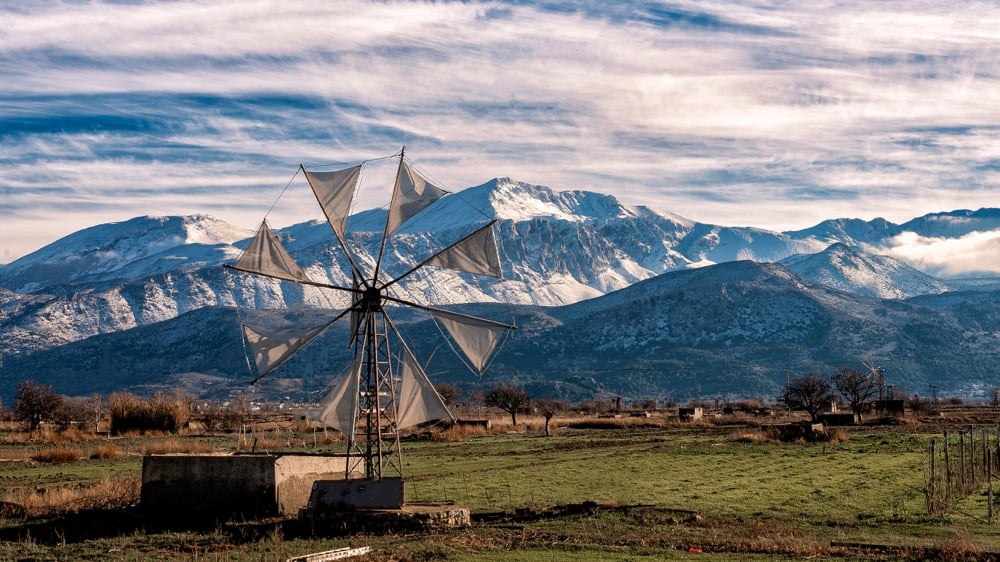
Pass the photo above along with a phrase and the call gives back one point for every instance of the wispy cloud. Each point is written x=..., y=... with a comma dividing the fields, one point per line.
x=769, y=114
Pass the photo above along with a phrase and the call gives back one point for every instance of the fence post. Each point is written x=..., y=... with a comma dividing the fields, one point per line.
x=972, y=454
x=947, y=470
x=989, y=487
x=931, y=480
x=961, y=460
x=986, y=448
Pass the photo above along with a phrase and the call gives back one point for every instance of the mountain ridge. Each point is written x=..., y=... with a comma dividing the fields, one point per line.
x=558, y=249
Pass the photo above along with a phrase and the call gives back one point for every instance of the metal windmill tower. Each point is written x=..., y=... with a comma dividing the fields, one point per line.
x=385, y=389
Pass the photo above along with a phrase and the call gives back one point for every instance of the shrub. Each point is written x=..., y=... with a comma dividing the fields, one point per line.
x=158, y=413
x=838, y=435
x=105, y=451
x=57, y=455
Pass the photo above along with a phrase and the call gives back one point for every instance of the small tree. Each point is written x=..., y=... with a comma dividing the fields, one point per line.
x=509, y=398
x=810, y=393
x=856, y=387
x=449, y=392
x=548, y=409
x=96, y=409
x=35, y=402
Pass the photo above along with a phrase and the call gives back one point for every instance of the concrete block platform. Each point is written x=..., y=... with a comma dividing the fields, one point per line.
x=421, y=517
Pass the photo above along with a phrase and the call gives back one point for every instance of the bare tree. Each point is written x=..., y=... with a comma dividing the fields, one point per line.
x=548, y=409
x=449, y=392
x=858, y=388
x=97, y=410
x=509, y=398
x=810, y=393
x=35, y=402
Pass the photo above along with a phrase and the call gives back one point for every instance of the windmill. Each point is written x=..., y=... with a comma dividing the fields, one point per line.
x=368, y=405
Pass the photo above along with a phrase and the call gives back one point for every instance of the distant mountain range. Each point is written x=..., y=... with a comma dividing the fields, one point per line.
x=609, y=298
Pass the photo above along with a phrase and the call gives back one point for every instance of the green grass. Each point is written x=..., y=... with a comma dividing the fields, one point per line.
x=759, y=501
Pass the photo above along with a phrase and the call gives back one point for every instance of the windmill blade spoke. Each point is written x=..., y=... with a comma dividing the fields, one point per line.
x=435, y=310
x=300, y=282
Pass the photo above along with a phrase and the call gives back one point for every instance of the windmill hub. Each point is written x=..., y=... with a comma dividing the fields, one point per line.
x=371, y=301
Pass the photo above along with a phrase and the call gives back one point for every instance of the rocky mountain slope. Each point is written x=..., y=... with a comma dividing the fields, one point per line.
x=730, y=330
x=129, y=280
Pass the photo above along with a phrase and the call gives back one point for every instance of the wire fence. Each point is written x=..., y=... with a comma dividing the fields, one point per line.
x=958, y=465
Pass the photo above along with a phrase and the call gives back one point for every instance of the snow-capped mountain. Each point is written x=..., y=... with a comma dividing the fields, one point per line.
x=139, y=247
x=842, y=267
x=734, y=329
x=557, y=248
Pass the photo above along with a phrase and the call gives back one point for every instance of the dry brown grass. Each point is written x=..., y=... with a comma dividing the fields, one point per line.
x=49, y=435
x=959, y=548
x=58, y=455
x=16, y=454
x=751, y=436
x=176, y=446
x=104, y=494
x=106, y=451
x=838, y=435
x=457, y=432
x=267, y=443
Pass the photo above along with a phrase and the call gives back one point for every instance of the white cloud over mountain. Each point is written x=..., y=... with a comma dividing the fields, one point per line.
x=975, y=252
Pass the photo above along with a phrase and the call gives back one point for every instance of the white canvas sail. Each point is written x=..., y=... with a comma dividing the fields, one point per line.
x=476, y=253
x=411, y=194
x=476, y=338
x=341, y=405
x=418, y=402
x=265, y=255
x=334, y=191
x=272, y=347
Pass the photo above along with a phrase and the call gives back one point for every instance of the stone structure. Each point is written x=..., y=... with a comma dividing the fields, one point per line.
x=690, y=414
x=200, y=488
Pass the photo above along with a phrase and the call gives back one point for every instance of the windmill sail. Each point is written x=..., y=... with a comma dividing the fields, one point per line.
x=341, y=405
x=419, y=402
x=476, y=338
x=476, y=253
x=411, y=194
x=272, y=347
x=335, y=191
x=266, y=256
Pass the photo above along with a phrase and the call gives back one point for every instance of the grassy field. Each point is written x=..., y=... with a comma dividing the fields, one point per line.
x=648, y=491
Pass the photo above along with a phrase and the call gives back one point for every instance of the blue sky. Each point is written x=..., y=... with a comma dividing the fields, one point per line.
x=771, y=114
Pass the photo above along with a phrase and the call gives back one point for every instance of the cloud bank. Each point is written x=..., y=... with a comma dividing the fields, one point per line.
x=768, y=114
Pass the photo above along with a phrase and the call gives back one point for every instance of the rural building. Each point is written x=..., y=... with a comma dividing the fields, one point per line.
x=690, y=414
